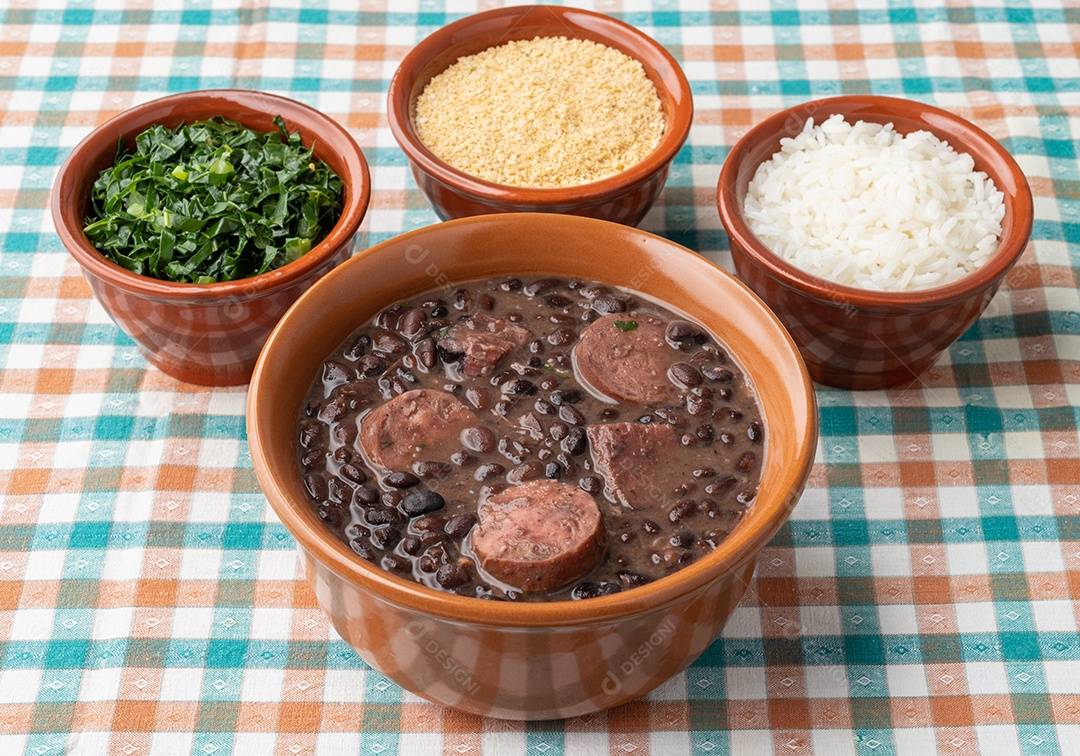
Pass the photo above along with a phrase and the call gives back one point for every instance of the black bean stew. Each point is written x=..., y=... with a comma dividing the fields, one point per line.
x=540, y=439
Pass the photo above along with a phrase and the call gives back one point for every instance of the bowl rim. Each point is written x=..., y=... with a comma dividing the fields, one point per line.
x=69, y=226
x=742, y=545
x=1010, y=247
x=399, y=111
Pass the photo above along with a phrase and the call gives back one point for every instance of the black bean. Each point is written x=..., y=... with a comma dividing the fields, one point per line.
x=310, y=433
x=395, y=563
x=427, y=564
x=682, y=510
x=383, y=516
x=312, y=458
x=478, y=397
x=704, y=472
x=462, y=459
x=489, y=471
x=390, y=344
x=401, y=480
x=392, y=498
x=315, y=485
x=684, y=539
x=362, y=549
x=607, y=304
x=332, y=514
x=536, y=347
x=519, y=387
x=411, y=323
x=566, y=396
x=459, y=526
x=609, y=414
x=452, y=576
x=501, y=377
x=632, y=579
x=369, y=365
x=696, y=406
x=411, y=545
x=334, y=410
x=568, y=465
x=430, y=523
x=357, y=530
x=385, y=538
x=755, y=432
x=422, y=502
x=727, y=439
x=530, y=470
x=627, y=536
x=334, y=373
x=544, y=407
x=439, y=311
x=562, y=336
x=431, y=468
x=426, y=353
x=358, y=348
x=745, y=497
x=721, y=485
x=651, y=527
x=684, y=336
x=591, y=484
x=725, y=393
x=540, y=286
x=684, y=488
x=746, y=462
x=558, y=431
x=353, y=473
x=703, y=392
x=462, y=300
x=592, y=291
x=557, y=301
x=570, y=414
x=645, y=419
x=487, y=302
x=718, y=373
x=589, y=590
x=479, y=438
x=684, y=375
x=390, y=317
x=345, y=433
x=338, y=491
x=515, y=317
x=553, y=471
x=511, y=284
x=368, y=495
x=576, y=442
x=503, y=408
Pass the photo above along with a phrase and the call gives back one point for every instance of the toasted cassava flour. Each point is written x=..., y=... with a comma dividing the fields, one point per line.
x=543, y=113
x=862, y=205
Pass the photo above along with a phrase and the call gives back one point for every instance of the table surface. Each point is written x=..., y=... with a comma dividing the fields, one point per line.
x=923, y=597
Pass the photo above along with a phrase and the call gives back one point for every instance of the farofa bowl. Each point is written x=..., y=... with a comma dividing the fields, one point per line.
x=859, y=338
x=625, y=197
x=210, y=333
x=529, y=660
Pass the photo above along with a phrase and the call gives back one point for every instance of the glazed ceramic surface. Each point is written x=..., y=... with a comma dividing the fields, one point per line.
x=624, y=198
x=856, y=338
x=529, y=660
x=206, y=333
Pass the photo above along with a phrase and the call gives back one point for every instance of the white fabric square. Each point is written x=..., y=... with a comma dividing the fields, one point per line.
x=31, y=625
x=15, y=683
x=986, y=678
x=745, y=622
x=1000, y=740
x=826, y=681
x=967, y=558
x=192, y=622
x=890, y=560
x=262, y=685
x=815, y=561
x=344, y=684
x=820, y=620
x=745, y=683
x=101, y=685
x=1040, y=556
x=181, y=683
x=44, y=564
x=271, y=623
x=898, y=619
x=1055, y=616
x=975, y=617
x=906, y=680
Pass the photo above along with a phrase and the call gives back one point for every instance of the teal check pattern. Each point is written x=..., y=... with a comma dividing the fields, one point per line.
x=924, y=597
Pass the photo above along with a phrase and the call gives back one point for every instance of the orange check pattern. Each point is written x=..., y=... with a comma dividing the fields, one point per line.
x=924, y=598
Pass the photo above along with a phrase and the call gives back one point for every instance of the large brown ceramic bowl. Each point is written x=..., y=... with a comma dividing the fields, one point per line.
x=852, y=337
x=625, y=197
x=528, y=660
x=206, y=333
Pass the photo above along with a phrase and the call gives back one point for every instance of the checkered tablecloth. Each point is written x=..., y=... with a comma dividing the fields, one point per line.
x=925, y=596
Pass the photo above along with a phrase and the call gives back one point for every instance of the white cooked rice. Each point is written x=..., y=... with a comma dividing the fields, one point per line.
x=864, y=206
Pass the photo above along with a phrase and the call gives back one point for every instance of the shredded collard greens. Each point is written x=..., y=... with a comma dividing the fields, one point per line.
x=212, y=201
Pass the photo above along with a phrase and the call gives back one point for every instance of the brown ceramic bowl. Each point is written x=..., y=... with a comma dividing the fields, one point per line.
x=856, y=338
x=206, y=333
x=624, y=198
x=534, y=660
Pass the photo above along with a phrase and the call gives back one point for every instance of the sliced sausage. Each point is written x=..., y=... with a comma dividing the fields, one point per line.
x=539, y=535
x=419, y=423
x=627, y=455
x=482, y=341
x=626, y=357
